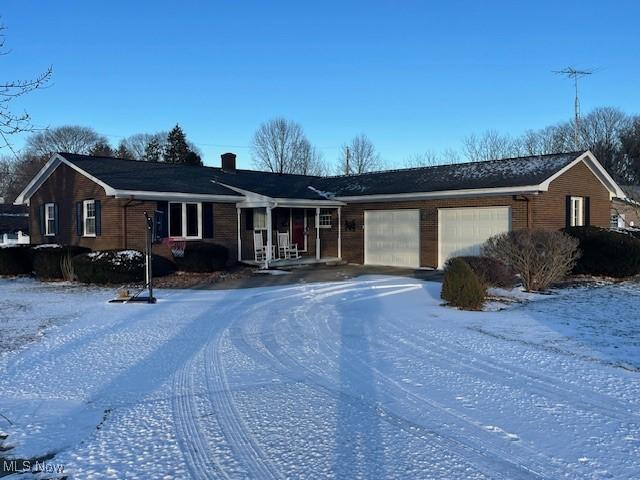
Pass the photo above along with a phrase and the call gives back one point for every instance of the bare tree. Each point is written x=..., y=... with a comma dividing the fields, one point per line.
x=309, y=160
x=10, y=122
x=279, y=145
x=137, y=143
x=359, y=156
x=490, y=145
x=430, y=158
x=68, y=138
x=17, y=172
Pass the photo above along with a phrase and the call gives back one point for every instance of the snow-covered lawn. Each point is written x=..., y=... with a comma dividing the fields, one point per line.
x=366, y=378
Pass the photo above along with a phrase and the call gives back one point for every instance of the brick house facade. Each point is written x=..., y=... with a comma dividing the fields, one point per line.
x=226, y=203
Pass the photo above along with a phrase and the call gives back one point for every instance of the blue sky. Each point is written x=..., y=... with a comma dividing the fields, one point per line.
x=411, y=75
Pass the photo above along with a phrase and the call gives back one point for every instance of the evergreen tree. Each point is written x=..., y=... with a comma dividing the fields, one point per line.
x=176, y=149
x=123, y=152
x=192, y=158
x=153, y=151
x=101, y=149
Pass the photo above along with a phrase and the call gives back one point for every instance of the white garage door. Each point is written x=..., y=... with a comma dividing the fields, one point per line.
x=392, y=237
x=462, y=231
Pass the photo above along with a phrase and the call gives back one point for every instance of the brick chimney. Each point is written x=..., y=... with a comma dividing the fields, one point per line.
x=228, y=161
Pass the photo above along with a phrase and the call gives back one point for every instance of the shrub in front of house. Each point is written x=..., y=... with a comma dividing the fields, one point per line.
x=461, y=287
x=15, y=260
x=492, y=272
x=117, y=267
x=540, y=257
x=203, y=257
x=47, y=260
x=606, y=252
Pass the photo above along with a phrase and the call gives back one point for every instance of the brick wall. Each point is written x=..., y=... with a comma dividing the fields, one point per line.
x=549, y=207
x=122, y=220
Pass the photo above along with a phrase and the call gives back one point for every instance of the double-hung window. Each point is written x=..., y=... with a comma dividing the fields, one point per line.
x=185, y=220
x=89, y=218
x=577, y=211
x=49, y=219
x=259, y=219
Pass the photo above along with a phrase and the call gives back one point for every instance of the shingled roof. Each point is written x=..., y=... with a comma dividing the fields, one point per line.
x=132, y=175
x=510, y=172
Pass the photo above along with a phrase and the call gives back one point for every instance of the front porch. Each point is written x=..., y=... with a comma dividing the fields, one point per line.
x=313, y=232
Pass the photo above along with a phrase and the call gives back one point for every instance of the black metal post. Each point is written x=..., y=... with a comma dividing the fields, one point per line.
x=149, y=248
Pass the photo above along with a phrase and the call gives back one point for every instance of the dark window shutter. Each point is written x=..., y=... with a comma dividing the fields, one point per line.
x=41, y=219
x=587, y=211
x=162, y=219
x=79, y=219
x=567, y=222
x=56, y=219
x=207, y=220
x=248, y=219
x=98, y=211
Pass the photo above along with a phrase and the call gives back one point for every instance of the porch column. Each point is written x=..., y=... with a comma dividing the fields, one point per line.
x=340, y=233
x=317, y=233
x=269, y=237
x=239, y=238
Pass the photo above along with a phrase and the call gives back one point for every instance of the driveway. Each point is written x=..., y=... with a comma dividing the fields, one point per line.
x=370, y=377
x=319, y=273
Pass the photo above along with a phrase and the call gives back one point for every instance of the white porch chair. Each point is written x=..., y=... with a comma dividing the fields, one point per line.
x=259, y=248
x=286, y=249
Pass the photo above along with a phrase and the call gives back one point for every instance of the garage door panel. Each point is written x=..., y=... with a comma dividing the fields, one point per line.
x=392, y=237
x=462, y=231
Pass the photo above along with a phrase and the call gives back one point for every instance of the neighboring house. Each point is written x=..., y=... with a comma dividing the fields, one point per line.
x=414, y=217
x=14, y=223
x=625, y=212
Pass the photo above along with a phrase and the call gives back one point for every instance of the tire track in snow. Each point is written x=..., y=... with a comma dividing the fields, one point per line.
x=499, y=372
x=494, y=465
x=190, y=436
x=233, y=426
x=482, y=440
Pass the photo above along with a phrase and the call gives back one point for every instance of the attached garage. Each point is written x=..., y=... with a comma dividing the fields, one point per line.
x=392, y=237
x=462, y=231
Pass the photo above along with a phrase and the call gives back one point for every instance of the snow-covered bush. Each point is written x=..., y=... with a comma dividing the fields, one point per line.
x=15, y=260
x=540, y=257
x=203, y=257
x=47, y=259
x=117, y=267
x=492, y=272
x=461, y=286
x=111, y=266
x=606, y=252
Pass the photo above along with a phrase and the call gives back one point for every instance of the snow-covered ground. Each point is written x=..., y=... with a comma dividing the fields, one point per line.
x=366, y=378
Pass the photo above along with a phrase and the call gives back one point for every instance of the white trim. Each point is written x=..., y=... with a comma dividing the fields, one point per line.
x=175, y=196
x=85, y=204
x=184, y=221
x=474, y=192
x=47, y=233
x=340, y=233
x=58, y=159
x=596, y=168
x=239, y=238
x=576, y=220
x=317, y=233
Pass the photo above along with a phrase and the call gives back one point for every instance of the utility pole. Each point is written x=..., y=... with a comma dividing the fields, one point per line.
x=574, y=74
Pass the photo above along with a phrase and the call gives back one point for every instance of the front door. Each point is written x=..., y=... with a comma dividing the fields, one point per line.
x=297, y=227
